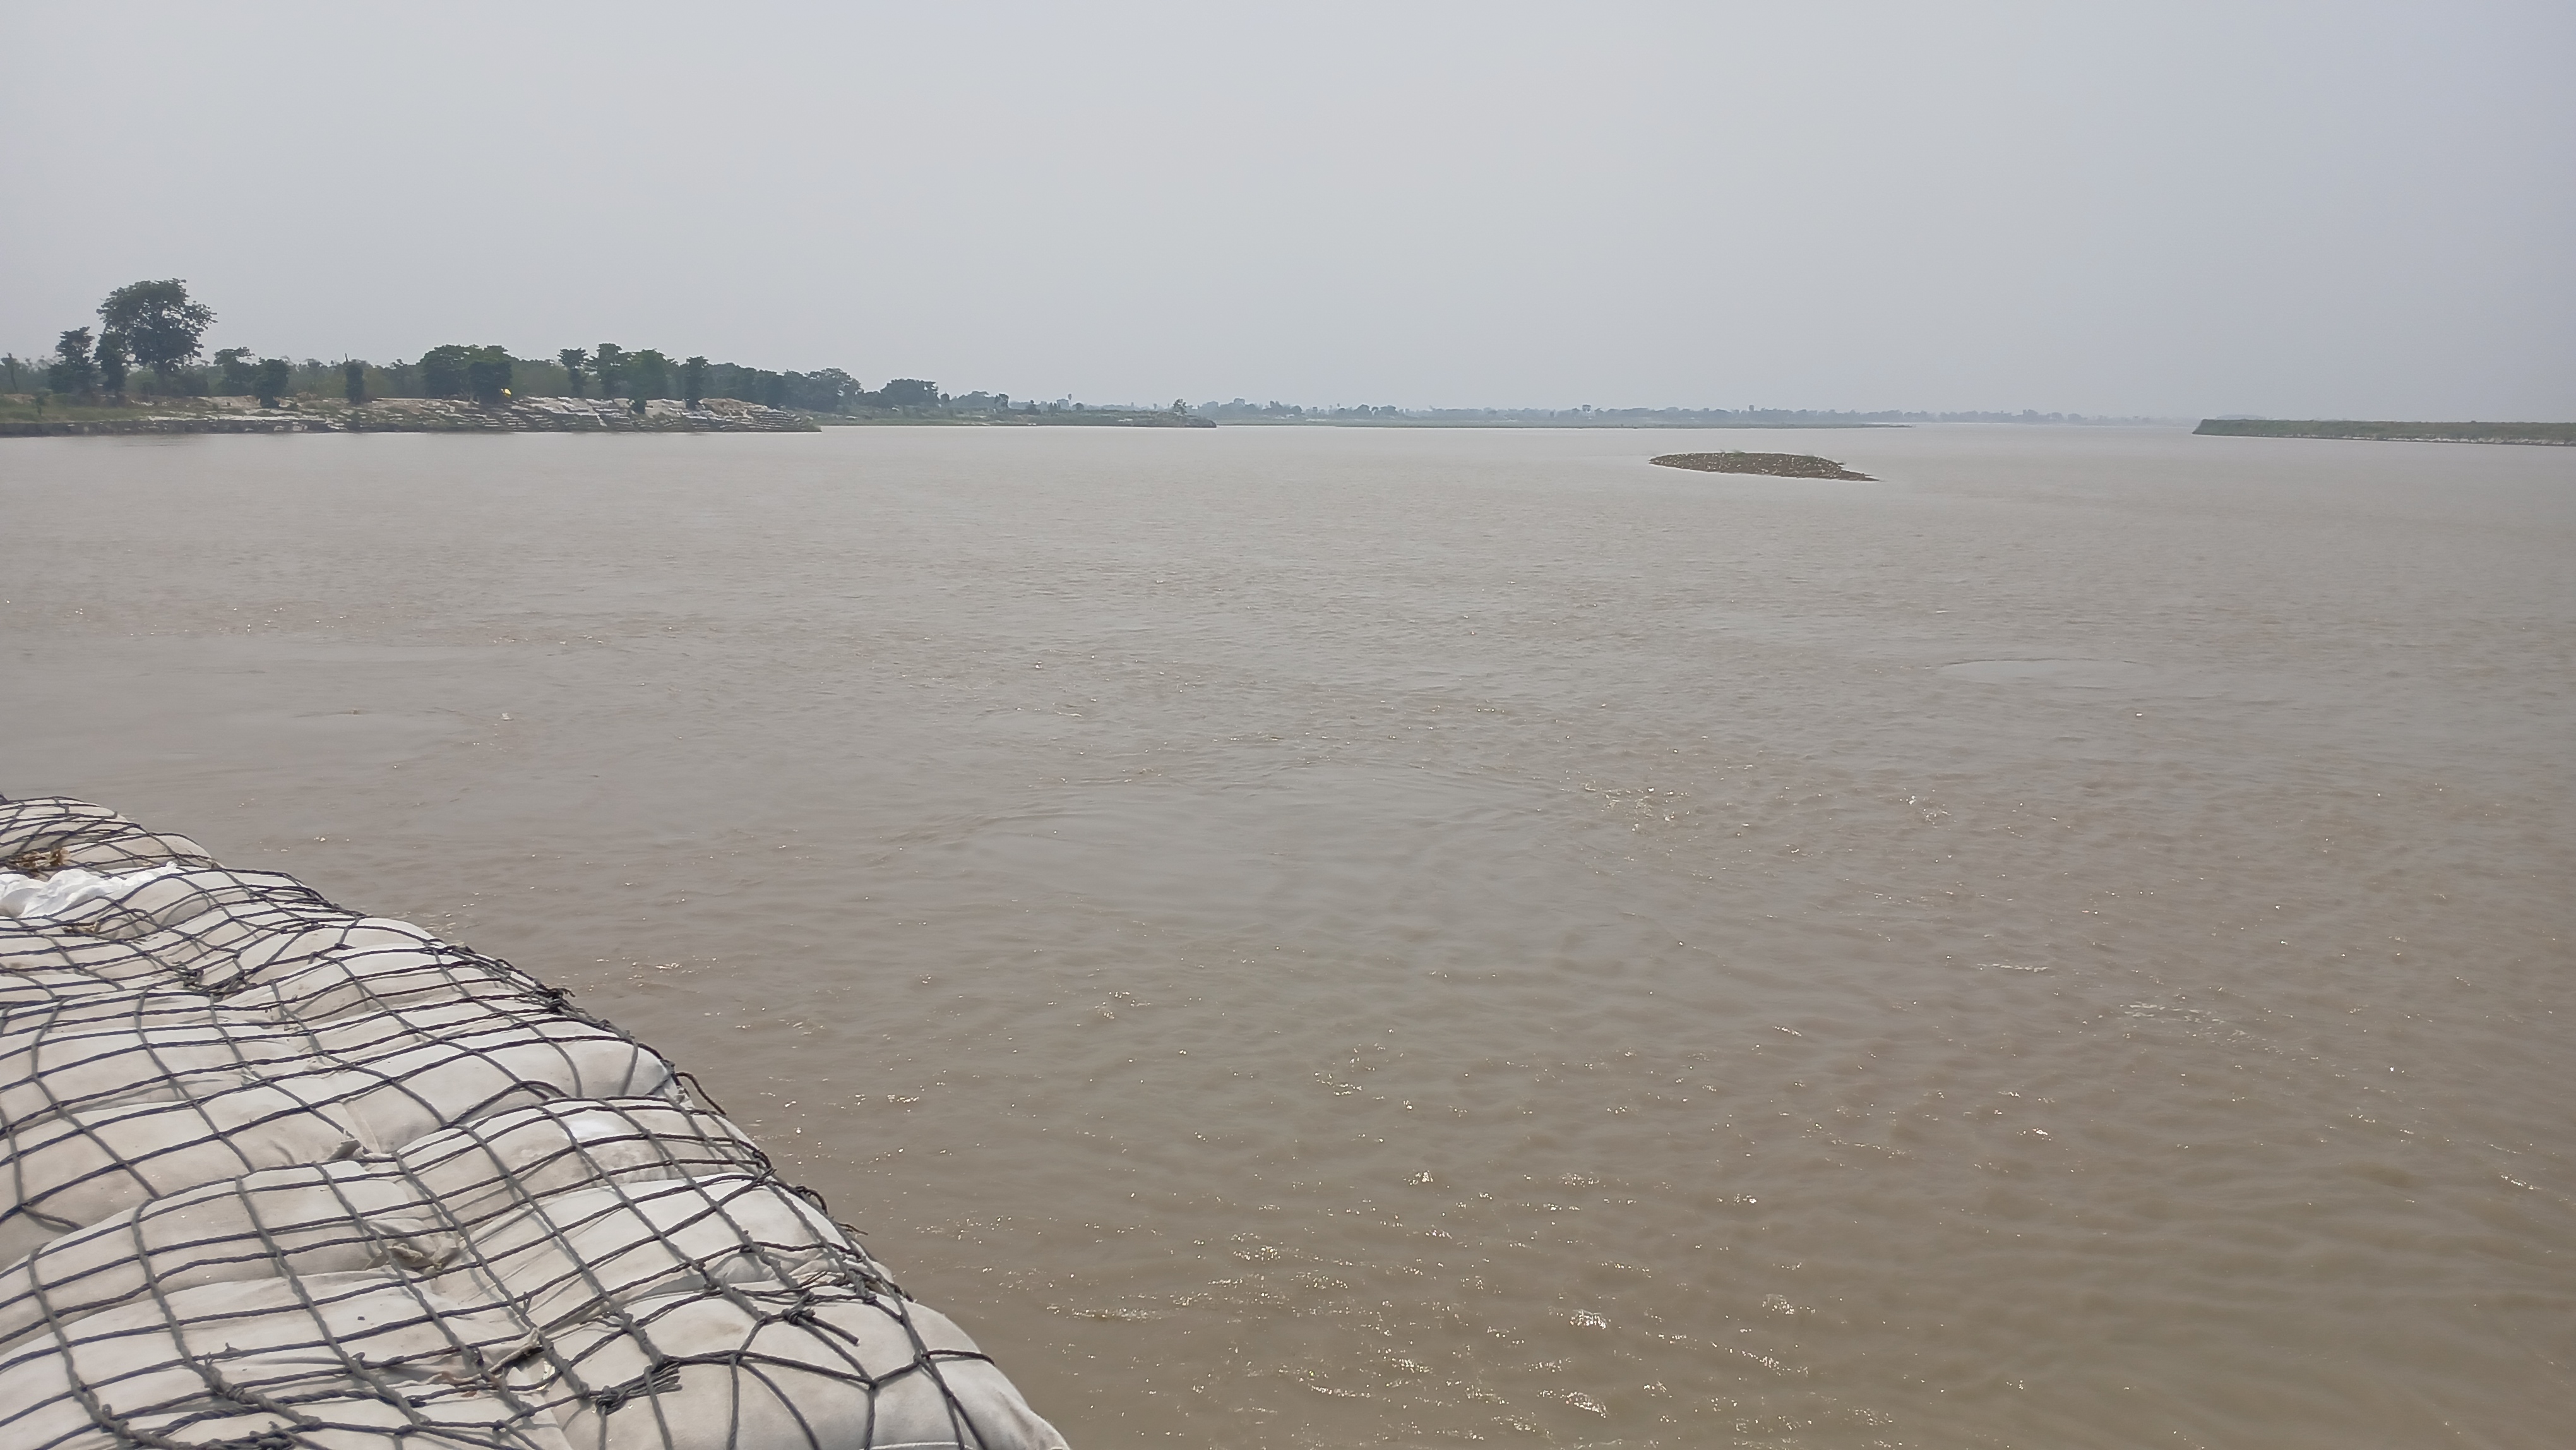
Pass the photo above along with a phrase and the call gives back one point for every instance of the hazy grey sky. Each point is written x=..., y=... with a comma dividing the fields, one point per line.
x=2354, y=209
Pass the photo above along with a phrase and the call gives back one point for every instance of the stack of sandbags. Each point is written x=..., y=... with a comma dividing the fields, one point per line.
x=280, y=1175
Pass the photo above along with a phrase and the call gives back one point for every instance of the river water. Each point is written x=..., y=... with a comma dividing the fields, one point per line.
x=1377, y=937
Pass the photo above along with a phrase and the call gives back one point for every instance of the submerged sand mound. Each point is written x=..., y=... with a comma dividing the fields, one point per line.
x=1772, y=465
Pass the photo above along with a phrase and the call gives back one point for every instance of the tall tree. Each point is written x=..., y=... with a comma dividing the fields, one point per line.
x=442, y=370
x=693, y=380
x=572, y=359
x=487, y=376
x=648, y=373
x=274, y=375
x=112, y=354
x=610, y=368
x=161, y=327
x=72, y=370
x=353, y=382
x=240, y=371
x=833, y=389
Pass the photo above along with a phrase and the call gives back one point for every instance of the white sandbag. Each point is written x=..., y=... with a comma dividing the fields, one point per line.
x=169, y=1039
x=354, y=941
x=186, y=1054
x=221, y=931
x=38, y=968
x=364, y=964
x=779, y=1370
x=131, y=1011
x=55, y=1070
x=409, y=1211
x=570, y=1256
x=418, y=1090
x=382, y=980
x=48, y=984
x=172, y=897
x=192, y=922
x=353, y=935
x=366, y=1037
x=74, y=1168
x=234, y=1361
x=512, y=1159
x=104, y=941
x=306, y=1219
x=252, y=922
x=88, y=836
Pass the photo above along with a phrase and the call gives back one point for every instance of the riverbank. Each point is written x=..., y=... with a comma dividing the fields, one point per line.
x=2559, y=434
x=406, y=415
x=20, y=417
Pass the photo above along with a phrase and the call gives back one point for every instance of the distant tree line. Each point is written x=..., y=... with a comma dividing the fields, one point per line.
x=149, y=344
x=152, y=325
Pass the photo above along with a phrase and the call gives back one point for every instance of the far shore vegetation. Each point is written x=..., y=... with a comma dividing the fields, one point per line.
x=2558, y=433
x=147, y=352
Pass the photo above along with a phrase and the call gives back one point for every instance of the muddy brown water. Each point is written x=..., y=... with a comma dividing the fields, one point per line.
x=1373, y=937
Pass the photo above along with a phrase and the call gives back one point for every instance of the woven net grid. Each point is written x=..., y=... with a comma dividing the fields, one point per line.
x=282, y=1175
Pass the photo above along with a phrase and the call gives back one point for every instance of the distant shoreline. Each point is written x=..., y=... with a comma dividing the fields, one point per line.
x=413, y=415
x=591, y=415
x=2546, y=434
x=23, y=416
x=519, y=415
x=665, y=417
x=1606, y=425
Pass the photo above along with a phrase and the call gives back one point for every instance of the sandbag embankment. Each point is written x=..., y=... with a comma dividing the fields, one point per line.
x=280, y=1175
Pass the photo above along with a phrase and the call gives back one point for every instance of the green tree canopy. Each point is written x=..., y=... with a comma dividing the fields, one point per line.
x=455, y=370
x=487, y=377
x=240, y=371
x=161, y=327
x=833, y=390
x=693, y=380
x=274, y=375
x=648, y=373
x=72, y=370
x=573, y=358
x=442, y=370
x=113, y=353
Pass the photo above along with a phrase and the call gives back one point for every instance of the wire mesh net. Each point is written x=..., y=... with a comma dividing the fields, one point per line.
x=281, y=1175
